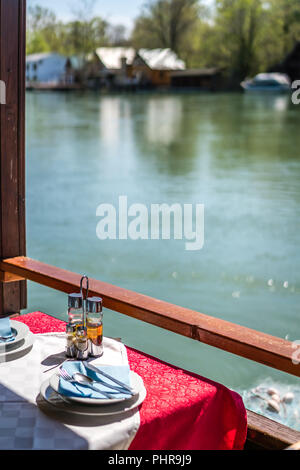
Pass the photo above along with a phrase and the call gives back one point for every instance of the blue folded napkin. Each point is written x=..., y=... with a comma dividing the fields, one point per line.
x=121, y=373
x=5, y=329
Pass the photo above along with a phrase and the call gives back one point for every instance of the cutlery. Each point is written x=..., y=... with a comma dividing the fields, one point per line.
x=81, y=380
x=114, y=387
x=86, y=380
x=98, y=371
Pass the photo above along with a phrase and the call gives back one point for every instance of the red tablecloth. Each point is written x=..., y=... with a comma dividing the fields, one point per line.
x=182, y=411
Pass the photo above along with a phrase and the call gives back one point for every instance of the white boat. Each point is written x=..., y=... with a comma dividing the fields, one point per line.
x=268, y=82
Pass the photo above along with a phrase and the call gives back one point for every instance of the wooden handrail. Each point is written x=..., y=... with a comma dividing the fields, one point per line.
x=264, y=433
x=239, y=340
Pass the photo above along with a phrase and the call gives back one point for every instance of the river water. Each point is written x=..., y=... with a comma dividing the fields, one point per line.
x=236, y=154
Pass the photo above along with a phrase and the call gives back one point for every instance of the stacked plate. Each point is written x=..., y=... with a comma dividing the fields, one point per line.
x=18, y=345
x=51, y=393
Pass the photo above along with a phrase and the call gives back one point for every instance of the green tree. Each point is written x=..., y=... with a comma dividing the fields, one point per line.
x=238, y=32
x=165, y=23
x=83, y=37
x=78, y=37
x=85, y=32
x=117, y=35
x=285, y=18
x=41, y=30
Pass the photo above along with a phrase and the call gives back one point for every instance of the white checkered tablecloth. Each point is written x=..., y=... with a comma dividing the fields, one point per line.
x=25, y=425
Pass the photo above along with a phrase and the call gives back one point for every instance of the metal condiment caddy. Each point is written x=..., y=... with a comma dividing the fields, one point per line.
x=84, y=330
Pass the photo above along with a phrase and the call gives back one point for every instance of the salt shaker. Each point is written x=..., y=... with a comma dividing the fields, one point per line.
x=82, y=352
x=75, y=319
x=70, y=344
x=94, y=322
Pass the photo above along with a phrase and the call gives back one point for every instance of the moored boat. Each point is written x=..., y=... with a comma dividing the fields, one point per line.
x=268, y=82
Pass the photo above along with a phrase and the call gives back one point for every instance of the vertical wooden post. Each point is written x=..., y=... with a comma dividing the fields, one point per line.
x=12, y=147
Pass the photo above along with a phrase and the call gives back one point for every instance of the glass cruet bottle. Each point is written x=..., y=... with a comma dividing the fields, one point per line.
x=75, y=309
x=94, y=323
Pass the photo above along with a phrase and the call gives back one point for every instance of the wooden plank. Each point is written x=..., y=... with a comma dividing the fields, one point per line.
x=12, y=148
x=264, y=433
x=260, y=347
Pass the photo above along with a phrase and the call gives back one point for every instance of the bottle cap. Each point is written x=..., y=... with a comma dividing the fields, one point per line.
x=75, y=300
x=94, y=305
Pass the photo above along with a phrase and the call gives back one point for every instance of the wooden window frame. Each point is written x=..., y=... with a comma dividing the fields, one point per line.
x=13, y=295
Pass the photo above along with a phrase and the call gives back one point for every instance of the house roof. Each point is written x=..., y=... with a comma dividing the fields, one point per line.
x=161, y=59
x=111, y=57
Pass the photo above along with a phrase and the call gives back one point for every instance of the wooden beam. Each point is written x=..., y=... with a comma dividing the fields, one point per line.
x=260, y=347
x=264, y=433
x=12, y=148
x=7, y=278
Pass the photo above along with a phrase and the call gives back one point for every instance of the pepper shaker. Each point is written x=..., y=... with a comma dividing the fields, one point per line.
x=94, y=322
x=75, y=318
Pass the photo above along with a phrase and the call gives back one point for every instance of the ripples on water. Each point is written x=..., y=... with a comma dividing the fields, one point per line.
x=237, y=154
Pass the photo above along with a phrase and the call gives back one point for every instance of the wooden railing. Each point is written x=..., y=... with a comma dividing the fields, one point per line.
x=260, y=347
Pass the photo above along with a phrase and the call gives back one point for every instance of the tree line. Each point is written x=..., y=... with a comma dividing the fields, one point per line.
x=242, y=36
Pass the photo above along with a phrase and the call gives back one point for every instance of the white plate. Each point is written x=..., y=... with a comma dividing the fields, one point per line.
x=22, y=348
x=134, y=383
x=64, y=405
x=22, y=332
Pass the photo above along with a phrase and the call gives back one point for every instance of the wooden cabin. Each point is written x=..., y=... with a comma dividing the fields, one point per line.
x=110, y=67
x=15, y=268
x=115, y=67
x=154, y=67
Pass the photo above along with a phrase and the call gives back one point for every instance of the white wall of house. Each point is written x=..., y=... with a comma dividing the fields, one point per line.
x=45, y=68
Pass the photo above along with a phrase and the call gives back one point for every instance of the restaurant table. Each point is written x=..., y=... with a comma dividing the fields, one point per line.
x=182, y=411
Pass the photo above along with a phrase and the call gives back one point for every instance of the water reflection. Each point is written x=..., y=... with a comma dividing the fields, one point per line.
x=259, y=130
x=261, y=101
x=166, y=136
x=115, y=117
x=163, y=120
